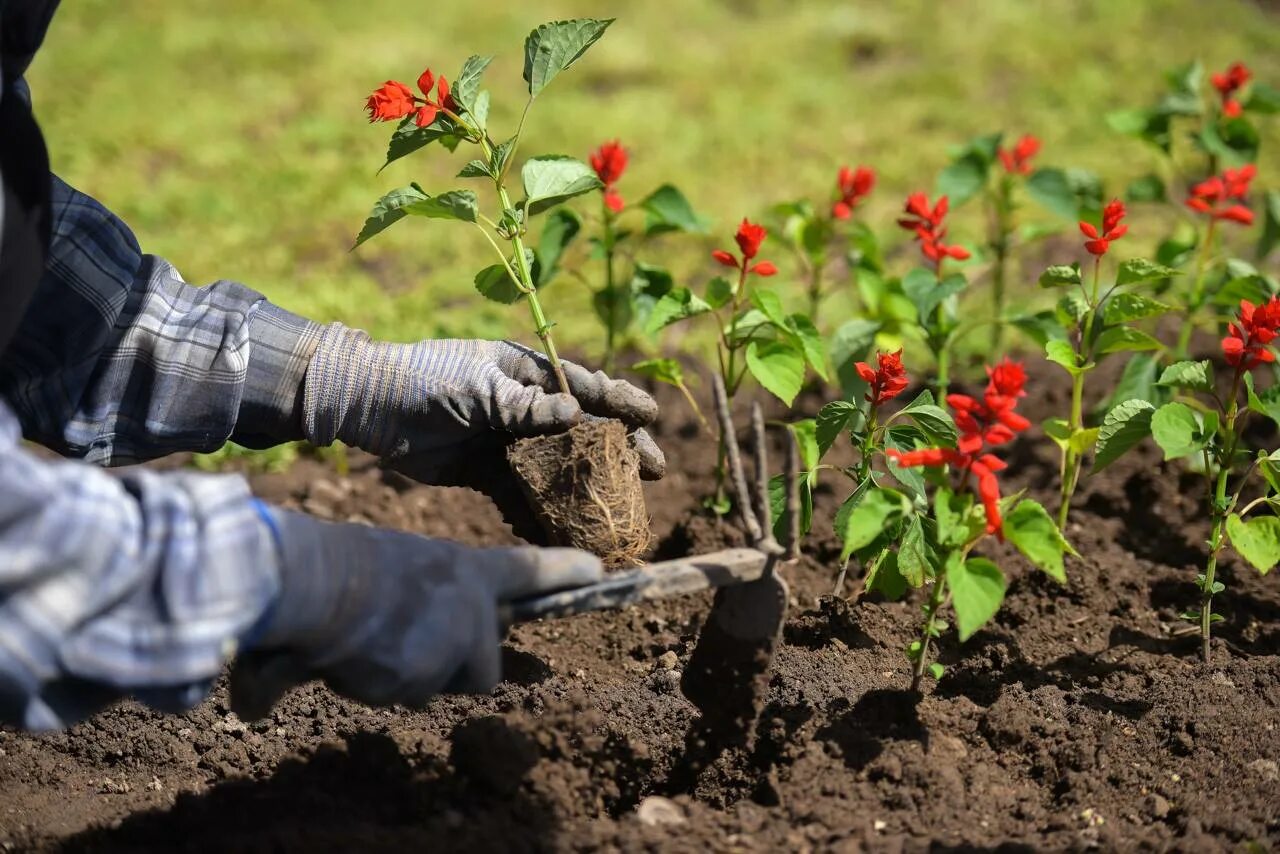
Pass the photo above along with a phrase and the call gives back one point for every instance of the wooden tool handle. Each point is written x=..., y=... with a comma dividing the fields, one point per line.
x=652, y=581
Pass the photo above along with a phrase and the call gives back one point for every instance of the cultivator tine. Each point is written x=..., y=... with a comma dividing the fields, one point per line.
x=730, y=441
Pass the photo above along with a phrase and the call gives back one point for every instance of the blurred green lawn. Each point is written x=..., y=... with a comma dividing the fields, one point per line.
x=230, y=134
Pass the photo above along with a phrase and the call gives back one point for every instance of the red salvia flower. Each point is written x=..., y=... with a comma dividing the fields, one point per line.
x=610, y=161
x=1100, y=241
x=1228, y=83
x=926, y=222
x=982, y=423
x=1018, y=160
x=1246, y=344
x=887, y=380
x=392, y=100
x=853, y=185
x=749, y=238
x=1213, y=196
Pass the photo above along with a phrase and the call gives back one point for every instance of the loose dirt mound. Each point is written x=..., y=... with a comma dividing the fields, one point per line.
x=1078, y=718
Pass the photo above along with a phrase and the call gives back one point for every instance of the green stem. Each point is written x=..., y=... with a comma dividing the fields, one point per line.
x=815, y=291
x=927, y=631
x=999, y=272
x=610, y=291
x=1197, y=292
x=1220, y=510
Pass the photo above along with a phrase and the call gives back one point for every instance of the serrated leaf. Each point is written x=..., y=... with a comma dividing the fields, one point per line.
x=1031, y=531
x=1060, y=275
x=1125, y=307
x=555, y=178
x=495, y=283
x=1176, y=430
x=1257, y=540
x=408, y=137
x=913, y=554
x=804, y=333
x=466, y=87
x=454, y=204
x=905, y=437
x=833, y=419
x=1053, y=190
x=959, y=521
x=677, y=304
x=561, y=227
x=648, y=285
x=977, y=591
x=865, y=516
x=1192, y=376
x=1061, y=353
x=666, y=371
x=1266, y=403
x=963, y=178
x=851, y=343
x=719, y=292
x=1121, y=339
x=924, y=290
x=1137, y=270
x=770, y=305
x=667, y=209
x=475, y=169
x=554, y=46
x=1124, y=426
x=934, y=421
x=389, y=210
x=779, y=367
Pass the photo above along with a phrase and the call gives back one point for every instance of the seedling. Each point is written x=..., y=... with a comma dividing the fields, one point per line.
x=1209, y=430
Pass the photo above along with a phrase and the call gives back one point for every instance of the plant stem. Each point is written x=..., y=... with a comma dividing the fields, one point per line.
x=815, y=291
x=1220, y=510
x=693, y=404
x=540, y=324
x=1197, y=292
x=936, y=599
x=1071, y=460
x=610, y=291
x=1000, y=248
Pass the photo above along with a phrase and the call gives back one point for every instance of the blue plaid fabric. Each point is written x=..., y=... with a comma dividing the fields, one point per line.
x=141, y=584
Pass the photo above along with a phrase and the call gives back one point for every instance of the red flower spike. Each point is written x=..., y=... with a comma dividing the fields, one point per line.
x=764, y=268
x=1018, y=160
x=1100, y=241
x=926, y=222
x=609, y=162
x=1228, y=83
x=853, y=186
x=425, y=115
x=392, y=100
x=426, y=82
x=887, y=380
x=1245, y=346
x=725, y=258
x=1212, y=195
x=749, y=238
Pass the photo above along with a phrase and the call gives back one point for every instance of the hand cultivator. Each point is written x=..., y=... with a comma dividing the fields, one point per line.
x=728, y=673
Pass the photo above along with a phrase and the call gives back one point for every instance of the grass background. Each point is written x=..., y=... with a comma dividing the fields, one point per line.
x=230, y=134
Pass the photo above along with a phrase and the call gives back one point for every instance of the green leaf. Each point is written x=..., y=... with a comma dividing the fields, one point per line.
x=1176, y=430
x=501, y=154
x=648, y=285
x=850, y=344
x=804, y=333
x=1124, y=307
x=833, y=419
x=561, y=227
x=934, y=421
x=1137, y=380
x=906, y=437
x=476, y=169
x=778, y=507
x=1118, y=339
x=719, y=292
x=1255, y=288
x=963, y=179
x=1257, y=540
x=1078, y=441
x=1137, y=270
x=977, y=590
x=913, y=553
x=677, y=304
x=1270, y=237
x=959, y=520
x=1061, y=353
x=1234, y=140
x=1267, y=403
x=666, y=209
x=770, y=305
x=666, y=371
x=1126, y=425
x=553, y=47
x=480, y=110
x=408, y=137
x=864, y=517
x=779, y=367
x=455, y=204
x=1031, y=531
x=389, y=210
x=495, y=283
x=886, y=579
x=466, y=86
x=1071, y=309
x=555, y=178
x=925, y=291
x=1148, y=188
x=804, y=432
x=1060, y=275
x=1263, y=99
x=1052, y=190
x=747, y=326
x=1192, y=376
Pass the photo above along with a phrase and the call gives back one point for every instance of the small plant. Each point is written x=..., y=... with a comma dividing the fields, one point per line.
x=459, y=114
x=934, y=295
x=935, y=545
x=1089, y=324
x=1208, y=429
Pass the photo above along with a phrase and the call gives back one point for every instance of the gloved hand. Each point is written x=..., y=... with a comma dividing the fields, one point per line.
x=425, y=407
x=388, y=617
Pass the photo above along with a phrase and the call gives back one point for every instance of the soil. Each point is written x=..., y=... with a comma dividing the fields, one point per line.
x=1081, y=717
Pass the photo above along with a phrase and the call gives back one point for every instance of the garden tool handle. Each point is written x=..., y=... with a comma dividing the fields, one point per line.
x=652, y=581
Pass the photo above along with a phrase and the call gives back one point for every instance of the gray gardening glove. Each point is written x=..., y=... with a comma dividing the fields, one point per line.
x=427, y=407
x=387, y=617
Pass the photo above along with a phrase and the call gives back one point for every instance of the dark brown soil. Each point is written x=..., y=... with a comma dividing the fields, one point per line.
x=1081, y=717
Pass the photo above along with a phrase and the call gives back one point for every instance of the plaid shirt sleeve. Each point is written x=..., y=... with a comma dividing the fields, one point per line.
x=118, y=360
x=111, y=586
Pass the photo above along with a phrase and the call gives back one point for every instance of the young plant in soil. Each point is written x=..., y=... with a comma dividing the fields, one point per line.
x=628, y=287
x=756, y=335
x=1093, y=321
x=935, y=542
x=605, y=512
x=1209, y=430
x=934, y=295
x=817, y=235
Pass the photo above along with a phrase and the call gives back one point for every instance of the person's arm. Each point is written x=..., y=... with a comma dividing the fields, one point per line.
x=114, y=586
x=118, y=360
